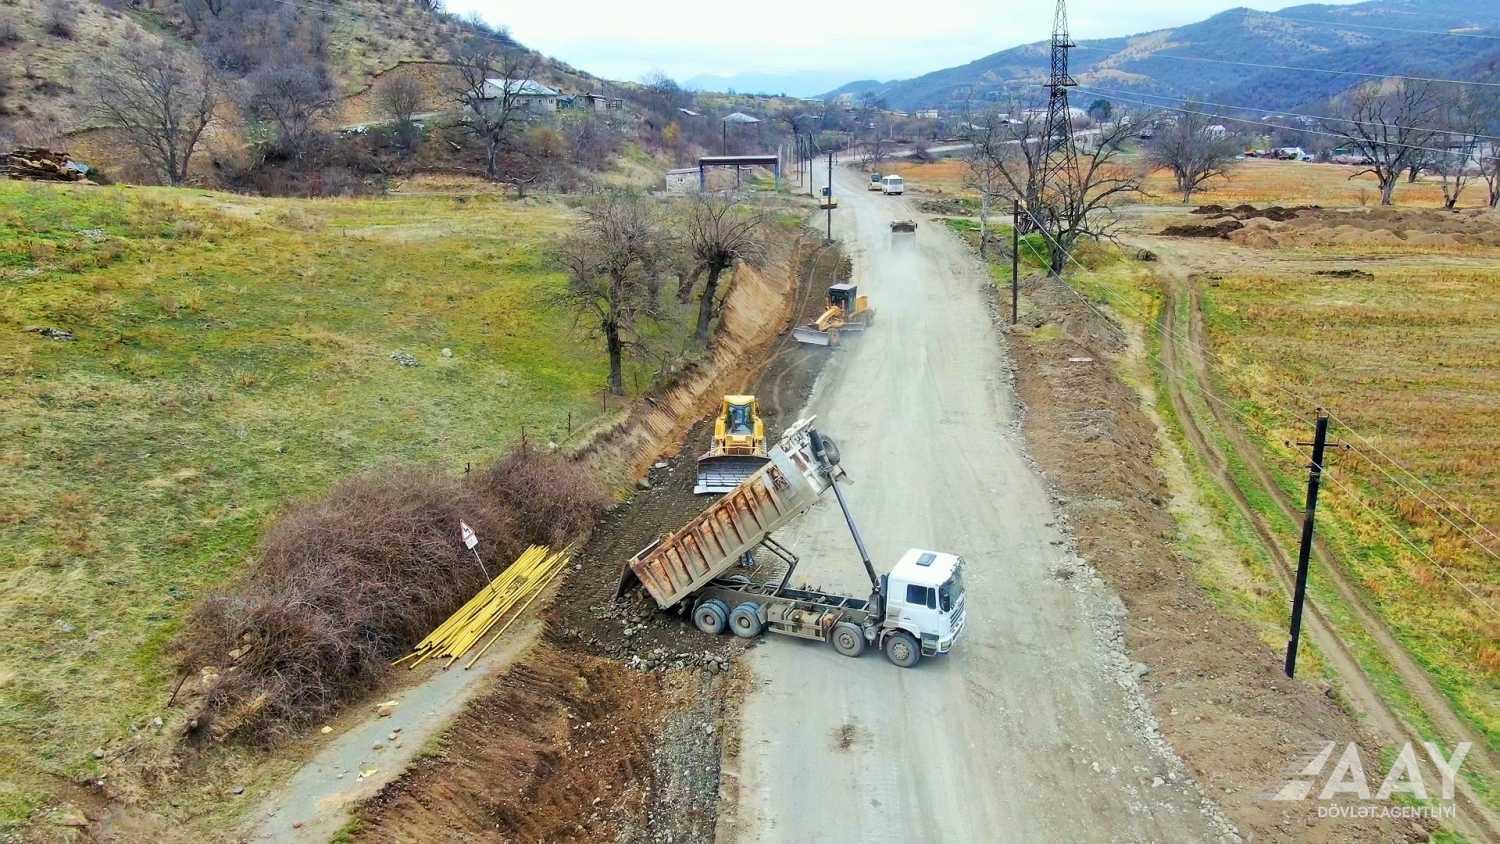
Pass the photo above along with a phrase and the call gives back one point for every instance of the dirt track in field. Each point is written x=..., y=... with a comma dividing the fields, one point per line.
x=1185, y=266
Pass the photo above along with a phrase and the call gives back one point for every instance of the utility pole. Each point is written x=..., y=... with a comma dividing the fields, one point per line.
x=1015, y=259
x=1304, y=552
x=830, y=196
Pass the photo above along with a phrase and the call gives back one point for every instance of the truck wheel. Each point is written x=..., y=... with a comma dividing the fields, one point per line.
x=848, y=639
x=745, y=620
x=901, y=649
x=711, y=616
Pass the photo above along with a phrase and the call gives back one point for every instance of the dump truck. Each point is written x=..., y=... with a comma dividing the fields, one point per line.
x=847, y=311
x=903, y=227
x=738, y=447
x=875, y=183
x=915, y=610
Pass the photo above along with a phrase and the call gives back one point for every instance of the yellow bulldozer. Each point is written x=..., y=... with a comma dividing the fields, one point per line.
x=847, y=311
x=738, y=448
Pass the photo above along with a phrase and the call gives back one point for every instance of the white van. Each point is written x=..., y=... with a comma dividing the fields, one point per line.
x=893, y=185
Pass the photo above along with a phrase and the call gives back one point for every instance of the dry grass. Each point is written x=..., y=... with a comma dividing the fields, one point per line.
x=1253, y=181
x=1409, y=359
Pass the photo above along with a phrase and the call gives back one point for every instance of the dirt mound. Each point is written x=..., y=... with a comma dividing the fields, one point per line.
x=1349, y=273
x=1219, y=229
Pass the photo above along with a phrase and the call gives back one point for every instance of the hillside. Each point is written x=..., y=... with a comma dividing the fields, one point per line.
x=1371, y=37
x=223, y=357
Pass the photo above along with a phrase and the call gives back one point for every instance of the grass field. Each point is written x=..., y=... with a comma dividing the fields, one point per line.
x=232, y=354
x=1253, y=180
x=1409, y=361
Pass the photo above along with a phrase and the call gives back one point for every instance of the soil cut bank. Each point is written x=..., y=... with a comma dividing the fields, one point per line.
x=612, y=727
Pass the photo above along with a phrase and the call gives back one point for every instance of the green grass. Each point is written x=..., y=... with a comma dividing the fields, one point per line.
x=232, y=355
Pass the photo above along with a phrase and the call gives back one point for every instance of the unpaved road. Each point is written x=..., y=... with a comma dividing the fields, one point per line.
x=1033, y=729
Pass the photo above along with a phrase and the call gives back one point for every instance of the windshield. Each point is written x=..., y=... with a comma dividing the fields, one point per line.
x=951, y=590
x=739, y=419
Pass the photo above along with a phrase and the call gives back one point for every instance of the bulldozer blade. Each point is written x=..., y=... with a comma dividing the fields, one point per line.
x=812, y=336
x=724, y=473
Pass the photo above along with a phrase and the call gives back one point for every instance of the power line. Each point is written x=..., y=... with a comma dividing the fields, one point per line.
x=1342, y=24
x=1202, y=391
x=1458, y=132
x=1265, y=125
x=1348, y=491
x=1303, y=69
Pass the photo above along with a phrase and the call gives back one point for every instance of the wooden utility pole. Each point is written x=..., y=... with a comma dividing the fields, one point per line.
x=830, y=196
x=1015, y=260
x=1304, y=552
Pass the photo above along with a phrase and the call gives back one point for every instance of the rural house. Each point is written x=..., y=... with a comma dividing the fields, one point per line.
x=531, y=96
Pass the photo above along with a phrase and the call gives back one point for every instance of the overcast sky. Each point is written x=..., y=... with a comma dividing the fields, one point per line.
x=626, y=39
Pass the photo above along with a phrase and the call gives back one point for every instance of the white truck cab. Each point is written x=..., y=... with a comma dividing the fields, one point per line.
x=893, y=185
x=925, y=597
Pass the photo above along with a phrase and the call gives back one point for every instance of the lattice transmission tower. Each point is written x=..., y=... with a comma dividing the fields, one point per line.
x=1057, y=134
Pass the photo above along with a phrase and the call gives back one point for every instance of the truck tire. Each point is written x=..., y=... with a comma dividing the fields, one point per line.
x=745, y=620
x=848, y=639
x=711, y=616
x=901, y=649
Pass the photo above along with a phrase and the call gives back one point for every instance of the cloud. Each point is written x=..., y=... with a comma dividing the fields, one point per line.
x=877, y=38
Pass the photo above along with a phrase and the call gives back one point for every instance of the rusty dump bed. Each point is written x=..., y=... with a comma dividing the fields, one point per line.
x=679, y=564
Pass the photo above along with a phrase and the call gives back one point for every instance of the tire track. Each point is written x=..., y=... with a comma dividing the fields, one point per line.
x=1474, y=818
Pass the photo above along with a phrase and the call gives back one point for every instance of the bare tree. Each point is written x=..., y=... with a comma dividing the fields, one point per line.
x=1383, y=122
x=985, y=175
x=1457, y=162
x=717, y=233
x=398, y=96
x=1079, y=195
x=609, y=261
x=1193, y=148
x=293, y=95
x=161, y=101
x=493, y=83
x=1009, y=142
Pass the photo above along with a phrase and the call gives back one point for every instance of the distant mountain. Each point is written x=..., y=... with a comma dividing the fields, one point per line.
x=805, y=84
x=1377, y=37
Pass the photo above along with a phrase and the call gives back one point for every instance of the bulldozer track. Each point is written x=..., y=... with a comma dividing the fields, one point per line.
x=1474, y=818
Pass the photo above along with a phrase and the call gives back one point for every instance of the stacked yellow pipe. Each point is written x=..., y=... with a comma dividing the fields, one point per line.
x=519, y=584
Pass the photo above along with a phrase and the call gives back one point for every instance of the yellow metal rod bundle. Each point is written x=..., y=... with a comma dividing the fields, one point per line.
x=515, y=588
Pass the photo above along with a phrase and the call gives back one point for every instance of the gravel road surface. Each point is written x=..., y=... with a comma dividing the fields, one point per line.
x=1034, y=728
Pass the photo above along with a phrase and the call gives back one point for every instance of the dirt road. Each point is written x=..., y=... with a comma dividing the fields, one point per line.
x=1034, y=729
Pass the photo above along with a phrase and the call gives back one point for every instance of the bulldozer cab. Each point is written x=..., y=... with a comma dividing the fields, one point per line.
x=737, y=449
x=843, y=296
x=739, y=416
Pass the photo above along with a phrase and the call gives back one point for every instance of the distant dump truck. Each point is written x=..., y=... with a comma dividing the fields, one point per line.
x=916, y=610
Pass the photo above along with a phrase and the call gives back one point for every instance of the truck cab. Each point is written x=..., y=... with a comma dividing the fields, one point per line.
x=893, y=185
x=924, y=597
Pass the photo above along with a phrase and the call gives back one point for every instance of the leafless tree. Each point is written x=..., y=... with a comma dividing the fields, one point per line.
x=398, y=96
x=1193, y=148
x=717, y=233
x=161, y=100
x=492, y=108
x=61, y=17
x=1079, y=196
x=1067, y=188
x=1385, y=122
x=1463, y=115
x=293, y=95
x=985, y=175
x=609, y=262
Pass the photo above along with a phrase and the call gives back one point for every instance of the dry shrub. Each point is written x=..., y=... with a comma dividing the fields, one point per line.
x=552, y=499
x=344, y=584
